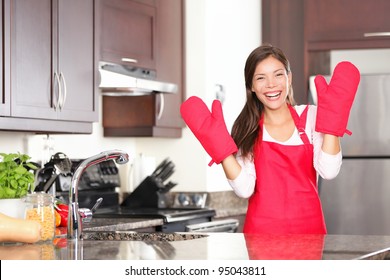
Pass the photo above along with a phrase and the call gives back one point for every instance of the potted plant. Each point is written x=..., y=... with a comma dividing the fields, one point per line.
x=16, y=181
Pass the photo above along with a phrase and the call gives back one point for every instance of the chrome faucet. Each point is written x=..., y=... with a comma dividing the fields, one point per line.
x=75, y=227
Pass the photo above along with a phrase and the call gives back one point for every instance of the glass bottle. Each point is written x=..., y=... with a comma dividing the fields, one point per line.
x=40, y=207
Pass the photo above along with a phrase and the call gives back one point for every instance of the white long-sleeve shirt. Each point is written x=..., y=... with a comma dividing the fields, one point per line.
x=326, y=165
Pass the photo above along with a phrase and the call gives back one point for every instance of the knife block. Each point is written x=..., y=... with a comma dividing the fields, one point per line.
x=146, y=195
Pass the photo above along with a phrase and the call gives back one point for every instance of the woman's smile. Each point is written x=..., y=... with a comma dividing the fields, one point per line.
x=272, y=96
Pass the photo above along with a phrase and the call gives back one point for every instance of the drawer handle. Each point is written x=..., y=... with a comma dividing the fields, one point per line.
x=131, y=60
x=377, y=34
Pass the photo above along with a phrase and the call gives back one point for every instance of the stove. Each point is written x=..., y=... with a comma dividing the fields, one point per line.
x=152, y=199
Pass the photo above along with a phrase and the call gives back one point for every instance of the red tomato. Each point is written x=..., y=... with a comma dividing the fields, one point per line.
x=63, y=210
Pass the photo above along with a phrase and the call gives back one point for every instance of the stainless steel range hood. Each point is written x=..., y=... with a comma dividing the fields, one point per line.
x=123, y=80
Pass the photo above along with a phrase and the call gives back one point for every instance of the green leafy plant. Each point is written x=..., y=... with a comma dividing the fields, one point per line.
x=16, y=180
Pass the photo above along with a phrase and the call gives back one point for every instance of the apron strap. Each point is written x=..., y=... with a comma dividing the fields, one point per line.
x=300, y=122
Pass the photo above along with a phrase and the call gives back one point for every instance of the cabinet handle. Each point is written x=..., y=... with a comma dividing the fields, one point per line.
x=131, y=60
x=161, y=109
x=57, y=79
x=63, y=97
x=377, y=34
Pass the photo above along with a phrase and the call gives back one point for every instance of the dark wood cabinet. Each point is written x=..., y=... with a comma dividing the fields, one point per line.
x=128, y=32
x=52, y=66
x=307, y=30
x=156, y=115
x=341, y=24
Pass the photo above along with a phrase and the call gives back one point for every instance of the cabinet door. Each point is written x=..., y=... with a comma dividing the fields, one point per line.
x=32, y=79
x=53, y=60
x=76, y=60
x=341, y=24
x=4, y=94
x=128, y=32
x=170, y=65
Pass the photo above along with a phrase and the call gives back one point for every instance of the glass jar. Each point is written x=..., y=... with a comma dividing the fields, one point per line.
x=40, y=207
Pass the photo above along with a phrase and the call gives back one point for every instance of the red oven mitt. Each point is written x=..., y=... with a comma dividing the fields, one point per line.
x=335, y=100
x=209, y=128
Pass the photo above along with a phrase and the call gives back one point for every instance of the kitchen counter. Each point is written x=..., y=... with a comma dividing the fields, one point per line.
x=129, y=245
x=210, y=246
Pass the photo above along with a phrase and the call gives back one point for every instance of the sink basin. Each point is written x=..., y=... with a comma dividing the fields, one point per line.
x=139, y=236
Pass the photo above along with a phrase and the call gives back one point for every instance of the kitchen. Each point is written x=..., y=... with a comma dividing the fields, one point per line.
x=206, y=48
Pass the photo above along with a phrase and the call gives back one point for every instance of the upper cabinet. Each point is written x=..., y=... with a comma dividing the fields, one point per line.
x=340, y=24
x=146, y=34
x=51, y=66
x=128, y=32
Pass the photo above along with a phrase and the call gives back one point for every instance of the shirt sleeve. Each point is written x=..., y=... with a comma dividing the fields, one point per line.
x=327, y=166
x=244, y=184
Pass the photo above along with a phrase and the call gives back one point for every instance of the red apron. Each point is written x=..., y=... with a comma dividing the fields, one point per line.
x=285, y=247
x=285, y=200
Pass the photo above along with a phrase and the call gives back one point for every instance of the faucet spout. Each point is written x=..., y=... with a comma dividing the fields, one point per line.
x=75, y=227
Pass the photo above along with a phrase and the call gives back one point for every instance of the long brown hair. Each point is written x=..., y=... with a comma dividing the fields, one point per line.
x=245, y=129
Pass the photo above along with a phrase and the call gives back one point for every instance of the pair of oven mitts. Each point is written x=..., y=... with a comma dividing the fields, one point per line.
x=334, y=104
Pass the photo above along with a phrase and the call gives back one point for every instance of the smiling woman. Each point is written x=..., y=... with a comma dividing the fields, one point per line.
x=273, y=136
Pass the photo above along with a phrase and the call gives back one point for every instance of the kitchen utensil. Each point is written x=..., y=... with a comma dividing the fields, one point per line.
x=167, y=171
x=160, y=167
x=163, y=171
x=62, y=165
x=168, y=187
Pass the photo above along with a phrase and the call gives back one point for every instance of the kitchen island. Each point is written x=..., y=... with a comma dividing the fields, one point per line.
x=112, y=239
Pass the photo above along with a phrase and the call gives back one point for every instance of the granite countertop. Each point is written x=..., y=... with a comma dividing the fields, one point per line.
x=209, y=246
x=107, y=224
x=126, y=244
x=123, y=239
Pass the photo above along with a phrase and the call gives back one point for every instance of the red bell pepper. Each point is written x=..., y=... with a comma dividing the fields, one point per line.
x=63, y=210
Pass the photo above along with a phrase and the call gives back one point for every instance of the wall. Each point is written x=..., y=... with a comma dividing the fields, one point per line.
x=219, y=36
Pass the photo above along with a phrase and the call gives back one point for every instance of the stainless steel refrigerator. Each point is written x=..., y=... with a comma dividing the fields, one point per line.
x=357, y=201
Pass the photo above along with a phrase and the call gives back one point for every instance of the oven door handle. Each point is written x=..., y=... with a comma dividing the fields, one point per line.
x=227, y=225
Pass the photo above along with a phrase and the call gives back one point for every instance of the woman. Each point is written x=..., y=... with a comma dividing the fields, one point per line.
x=278, y=147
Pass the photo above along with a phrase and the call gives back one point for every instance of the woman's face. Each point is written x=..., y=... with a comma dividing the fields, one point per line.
x=271, y=83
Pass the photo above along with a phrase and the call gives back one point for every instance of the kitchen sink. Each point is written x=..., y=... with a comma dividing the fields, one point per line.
x=140, y=236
